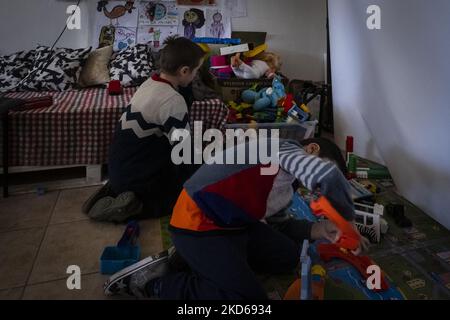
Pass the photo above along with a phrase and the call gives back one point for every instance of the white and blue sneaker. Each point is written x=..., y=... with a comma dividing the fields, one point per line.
x=132, y=280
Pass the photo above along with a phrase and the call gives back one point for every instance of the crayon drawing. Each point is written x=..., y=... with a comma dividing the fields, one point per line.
x=164, y=13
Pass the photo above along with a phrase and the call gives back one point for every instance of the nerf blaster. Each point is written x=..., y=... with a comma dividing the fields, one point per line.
x=349, y=238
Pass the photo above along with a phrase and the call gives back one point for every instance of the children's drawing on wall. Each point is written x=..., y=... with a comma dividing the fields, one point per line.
x=218, y=24
x=124, y=38
x=107, y=36
x=196, y=2
x=217, y=29
x=119, y=13
x=193, y=23
x=115, y=23
x=158, y=13
x=155, y=35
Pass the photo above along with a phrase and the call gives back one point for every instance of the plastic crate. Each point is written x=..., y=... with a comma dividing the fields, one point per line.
x=114, y=259
x=294, y=131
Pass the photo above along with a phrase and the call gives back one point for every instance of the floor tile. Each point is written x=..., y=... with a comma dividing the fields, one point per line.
x=18, y=250
x=26, y=211
x=91, y=289
x=76, y=243
x=68, y=206
x=11, y=294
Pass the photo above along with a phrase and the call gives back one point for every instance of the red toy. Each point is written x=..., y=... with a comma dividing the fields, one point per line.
x=330, y=251
x=349, y=237
x=114, y=87
x=288, y=102
x=349, y=240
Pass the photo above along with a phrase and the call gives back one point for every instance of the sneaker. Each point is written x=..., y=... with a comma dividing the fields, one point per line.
x=133, y=279
x=104, y=191
x=118, y=209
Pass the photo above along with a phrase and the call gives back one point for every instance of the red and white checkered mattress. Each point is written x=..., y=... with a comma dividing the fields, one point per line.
x=78, y=128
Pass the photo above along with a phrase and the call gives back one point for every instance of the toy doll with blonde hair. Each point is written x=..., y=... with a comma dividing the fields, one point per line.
x=264, y=64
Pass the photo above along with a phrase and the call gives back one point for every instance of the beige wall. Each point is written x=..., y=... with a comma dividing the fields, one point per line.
x=390, y=90
x=296, y=30
x=26, y=23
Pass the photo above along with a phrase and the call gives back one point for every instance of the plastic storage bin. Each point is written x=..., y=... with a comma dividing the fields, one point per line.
x=295, y=131
x=114, y=259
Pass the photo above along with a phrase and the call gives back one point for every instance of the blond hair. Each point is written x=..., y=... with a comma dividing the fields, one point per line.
x=272, y=59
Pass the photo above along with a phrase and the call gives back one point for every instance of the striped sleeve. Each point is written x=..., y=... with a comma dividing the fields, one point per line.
x=314, y=172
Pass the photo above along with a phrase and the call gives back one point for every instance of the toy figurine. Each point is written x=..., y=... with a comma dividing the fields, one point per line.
x=265, y=64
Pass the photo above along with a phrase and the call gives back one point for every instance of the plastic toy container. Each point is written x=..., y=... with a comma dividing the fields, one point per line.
x=114, y=259
x=295, y=131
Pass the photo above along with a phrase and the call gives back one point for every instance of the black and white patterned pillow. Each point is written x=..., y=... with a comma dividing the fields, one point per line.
x=56, y=70
x=14, y=68
x=132, y=66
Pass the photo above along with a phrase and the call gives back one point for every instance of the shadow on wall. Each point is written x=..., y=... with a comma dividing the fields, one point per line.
x=417, y=181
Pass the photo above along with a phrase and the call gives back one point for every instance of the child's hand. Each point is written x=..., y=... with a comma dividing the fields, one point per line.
x=236, y=60
x=271, y=73
x=325, y=229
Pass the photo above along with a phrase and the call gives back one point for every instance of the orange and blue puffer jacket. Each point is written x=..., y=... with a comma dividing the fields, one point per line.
x=225, y=197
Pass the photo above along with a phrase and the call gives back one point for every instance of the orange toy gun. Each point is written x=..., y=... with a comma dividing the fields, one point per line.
x=349, y=238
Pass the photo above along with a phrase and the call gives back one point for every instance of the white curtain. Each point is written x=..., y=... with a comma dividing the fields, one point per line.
x=391, y=91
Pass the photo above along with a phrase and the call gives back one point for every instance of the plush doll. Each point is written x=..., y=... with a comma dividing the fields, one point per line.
x=265, y=64
x=266, y=97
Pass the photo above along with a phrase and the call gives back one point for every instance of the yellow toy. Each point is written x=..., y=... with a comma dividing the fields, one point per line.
x=204, y=47
x=239, y=107
x=253, y=53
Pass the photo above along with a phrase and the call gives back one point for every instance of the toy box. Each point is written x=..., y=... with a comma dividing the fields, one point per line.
x=231, y=89
x=126, y=253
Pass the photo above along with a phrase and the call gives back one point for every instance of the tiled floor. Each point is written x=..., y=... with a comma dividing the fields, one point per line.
x=40, y=236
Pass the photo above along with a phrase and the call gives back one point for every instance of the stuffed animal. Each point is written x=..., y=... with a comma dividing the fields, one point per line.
x=266, y=97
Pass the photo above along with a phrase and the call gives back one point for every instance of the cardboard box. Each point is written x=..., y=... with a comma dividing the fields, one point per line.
x=231, y=89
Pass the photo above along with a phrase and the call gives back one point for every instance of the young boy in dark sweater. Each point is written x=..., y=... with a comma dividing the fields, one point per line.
x=140, y=156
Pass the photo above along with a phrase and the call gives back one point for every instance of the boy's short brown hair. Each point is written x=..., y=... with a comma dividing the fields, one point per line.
x=180, y=52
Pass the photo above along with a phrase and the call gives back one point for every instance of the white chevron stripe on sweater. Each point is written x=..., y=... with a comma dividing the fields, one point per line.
x=138, y=131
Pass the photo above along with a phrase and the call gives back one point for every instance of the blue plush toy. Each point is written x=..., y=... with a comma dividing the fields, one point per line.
x=266, y=97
